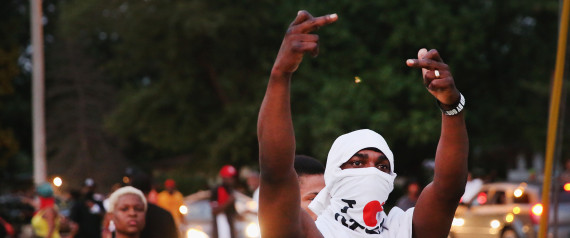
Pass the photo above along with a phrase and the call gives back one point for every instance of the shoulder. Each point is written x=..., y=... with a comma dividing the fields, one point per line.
x=159, y=223
x=157, y=212
x=163, y=194
x=400, y=221
x=397, y=214
x=48, y=213
x=50, y=210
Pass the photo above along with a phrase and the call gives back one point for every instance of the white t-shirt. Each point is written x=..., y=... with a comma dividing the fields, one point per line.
x=471, y=189
x=398, y=224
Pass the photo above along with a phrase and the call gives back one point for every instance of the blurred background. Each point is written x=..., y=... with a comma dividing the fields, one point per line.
x=173, y=87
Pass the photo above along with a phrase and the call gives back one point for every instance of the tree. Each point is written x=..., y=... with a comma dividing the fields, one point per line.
x=77, y=99
x=191, y=74
x=15, y=123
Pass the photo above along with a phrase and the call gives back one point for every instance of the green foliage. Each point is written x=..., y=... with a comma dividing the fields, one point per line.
x=9, y=146
x=13, y=24
x=192, y=73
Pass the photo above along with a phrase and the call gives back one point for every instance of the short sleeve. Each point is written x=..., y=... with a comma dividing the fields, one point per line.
x=399, y=223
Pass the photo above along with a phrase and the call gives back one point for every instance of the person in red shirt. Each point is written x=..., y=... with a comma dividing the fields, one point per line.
x=223, y=204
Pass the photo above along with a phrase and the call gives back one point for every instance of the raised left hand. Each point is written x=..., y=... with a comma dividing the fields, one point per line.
x=436, y=76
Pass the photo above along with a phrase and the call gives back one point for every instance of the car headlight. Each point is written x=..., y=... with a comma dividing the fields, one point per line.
x=458, y=222
x=252, y=230
x=183, y=209
x=495, y=224
x=195, y=233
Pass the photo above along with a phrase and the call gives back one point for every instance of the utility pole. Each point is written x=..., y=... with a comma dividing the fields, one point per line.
x=553, y=117
x=38, y=71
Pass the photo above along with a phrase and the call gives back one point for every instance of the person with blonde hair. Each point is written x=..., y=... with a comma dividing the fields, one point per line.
x=127, y=206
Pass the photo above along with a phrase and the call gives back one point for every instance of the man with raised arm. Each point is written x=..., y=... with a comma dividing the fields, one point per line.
x=359, y=173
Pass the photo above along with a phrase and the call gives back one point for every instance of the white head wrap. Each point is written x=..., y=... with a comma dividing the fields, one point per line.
x=122, y=191
x=343, y=148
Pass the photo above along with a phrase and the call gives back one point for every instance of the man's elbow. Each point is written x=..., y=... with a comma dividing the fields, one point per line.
x=277, y=177
x=451, y=192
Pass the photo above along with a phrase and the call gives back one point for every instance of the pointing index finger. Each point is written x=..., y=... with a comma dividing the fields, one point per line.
x=426, y=64
x=314, y=23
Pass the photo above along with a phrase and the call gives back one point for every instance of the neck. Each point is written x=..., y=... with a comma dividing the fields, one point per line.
x=123, y=235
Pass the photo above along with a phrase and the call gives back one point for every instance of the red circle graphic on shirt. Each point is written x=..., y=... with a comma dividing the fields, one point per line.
x=370, y=213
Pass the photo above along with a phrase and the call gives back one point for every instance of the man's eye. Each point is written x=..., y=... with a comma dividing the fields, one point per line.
x=356, y=163
x=383, y=167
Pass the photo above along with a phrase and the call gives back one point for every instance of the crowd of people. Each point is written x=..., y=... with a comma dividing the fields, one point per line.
x=297, y=195
x=125, y=212
x=132, y=209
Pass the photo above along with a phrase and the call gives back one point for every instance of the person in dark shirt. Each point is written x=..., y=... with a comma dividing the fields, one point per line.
x=159, y=222
x=88, y=214
x=409, y=199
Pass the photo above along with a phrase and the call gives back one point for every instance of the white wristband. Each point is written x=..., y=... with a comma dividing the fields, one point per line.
x=457, y=108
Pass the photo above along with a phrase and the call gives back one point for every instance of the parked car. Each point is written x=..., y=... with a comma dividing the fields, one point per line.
x=508, y=210
x=198, y=216
x=6, y=229
x=15, y=212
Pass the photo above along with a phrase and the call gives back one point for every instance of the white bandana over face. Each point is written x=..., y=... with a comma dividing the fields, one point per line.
x=354, y=197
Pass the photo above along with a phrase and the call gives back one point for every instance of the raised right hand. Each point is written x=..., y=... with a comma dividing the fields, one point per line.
x=298, y=41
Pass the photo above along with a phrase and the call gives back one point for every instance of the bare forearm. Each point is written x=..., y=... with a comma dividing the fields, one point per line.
x=275, y=127
x=451, y=157
x=438, y=201
x=279, y=204
x=279, y=190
